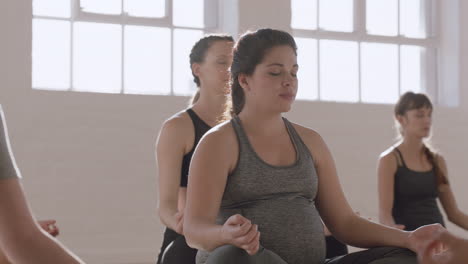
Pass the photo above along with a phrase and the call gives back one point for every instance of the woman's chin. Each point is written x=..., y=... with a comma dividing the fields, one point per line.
x=286, y=109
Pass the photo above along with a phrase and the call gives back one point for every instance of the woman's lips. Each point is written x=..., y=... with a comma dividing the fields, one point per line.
x=288, y=96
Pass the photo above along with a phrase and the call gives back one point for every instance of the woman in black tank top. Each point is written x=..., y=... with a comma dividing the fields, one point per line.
x=209, y=59
x=411, y=176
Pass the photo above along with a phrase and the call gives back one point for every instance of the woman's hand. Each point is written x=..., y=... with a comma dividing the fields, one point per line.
x=444, y=248
x=179, y=226
x=240, y=232
x=49, y=226
x=419, y=239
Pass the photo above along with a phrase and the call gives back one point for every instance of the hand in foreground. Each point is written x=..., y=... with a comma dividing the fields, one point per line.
x=240, y=232
x=444, y=248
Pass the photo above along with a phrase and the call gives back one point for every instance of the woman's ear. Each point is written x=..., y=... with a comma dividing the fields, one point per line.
x=243, y=81
x=196, y=69
x=401, y=119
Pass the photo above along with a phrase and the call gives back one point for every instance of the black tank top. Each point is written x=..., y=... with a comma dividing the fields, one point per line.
x=415, y=196
x=200, y=128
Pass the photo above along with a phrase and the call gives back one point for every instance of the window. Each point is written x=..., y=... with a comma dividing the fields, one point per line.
x=118, y=46
x=367, y=51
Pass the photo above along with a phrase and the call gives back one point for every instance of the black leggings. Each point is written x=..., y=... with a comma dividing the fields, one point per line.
x=174, y=249
x=378, y=255
x=228, y=254
x=335, y=248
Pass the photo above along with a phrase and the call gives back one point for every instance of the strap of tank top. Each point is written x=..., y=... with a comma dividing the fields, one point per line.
x=401, y=157
x=198, y=125
x=297, y=140
x=191, y=113
x=193, y=116
x=241, y=136
x=197, y=121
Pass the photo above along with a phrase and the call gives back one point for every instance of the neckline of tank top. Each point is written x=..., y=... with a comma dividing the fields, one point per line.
x=415, y=171
x=403, y=165
x=291, y=138
x=198, y=117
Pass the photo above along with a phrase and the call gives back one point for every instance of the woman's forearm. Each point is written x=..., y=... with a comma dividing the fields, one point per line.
x=37, y=247
x=3, y=258
x=204, y=236
x=460, y=219
x=374, y=234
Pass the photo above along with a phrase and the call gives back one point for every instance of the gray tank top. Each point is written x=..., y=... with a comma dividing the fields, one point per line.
x=279, y=199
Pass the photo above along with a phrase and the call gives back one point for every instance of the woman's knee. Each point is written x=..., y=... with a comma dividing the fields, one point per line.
x=179, y=252
x=228, y=254
x=397, y=256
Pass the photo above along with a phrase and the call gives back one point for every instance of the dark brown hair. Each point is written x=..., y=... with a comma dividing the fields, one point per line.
x=410, y=101
x=198, y=54
x=248, y=52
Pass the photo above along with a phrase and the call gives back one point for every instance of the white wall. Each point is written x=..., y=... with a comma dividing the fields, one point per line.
x=88, y=159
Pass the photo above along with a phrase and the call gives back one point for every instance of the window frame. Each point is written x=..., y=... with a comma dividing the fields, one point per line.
x=360, y=35
x=212, y=19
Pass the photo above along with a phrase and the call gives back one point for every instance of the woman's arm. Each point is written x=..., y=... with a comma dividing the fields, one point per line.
x=21, y=238
x=170, y=149
x=447, y=199
x=335, y=210
x=387, y=167
x=3, y=259
x=214, y=158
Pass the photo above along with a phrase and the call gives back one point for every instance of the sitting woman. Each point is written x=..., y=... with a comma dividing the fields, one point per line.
x=259, y=184
x=412, y=177
x=210, y=59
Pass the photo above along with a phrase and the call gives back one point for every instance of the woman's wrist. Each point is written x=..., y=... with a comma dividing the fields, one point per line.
x=169, y=220
x=407, y=241
x=223, y=236
x=213, y=238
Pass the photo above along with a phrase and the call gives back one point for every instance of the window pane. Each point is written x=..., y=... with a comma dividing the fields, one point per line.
x=411, y=68
x=55, y=8
x=145, y=8
x=411, y=18
x=307, y=74
x=97, y=57
x=336, y=15
x=183, y=43
x=304, y=14
x=379, y=73
x=188, y=13
x=147, y=60
x=102, y=6
x=339, y=71
x=51, y=54
x=382, y=17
